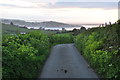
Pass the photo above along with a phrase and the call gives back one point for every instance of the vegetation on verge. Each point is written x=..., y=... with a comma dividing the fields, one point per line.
x=24, y=54
x=100, y=47
x=61, y=39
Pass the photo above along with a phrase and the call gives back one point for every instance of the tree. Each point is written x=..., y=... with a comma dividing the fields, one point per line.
x=74, y=30
x=11, y=23
x=109, y=23
x=118, y=21
x=83, y=29
x=63, y=29
x=105, y=24
x=102, y=25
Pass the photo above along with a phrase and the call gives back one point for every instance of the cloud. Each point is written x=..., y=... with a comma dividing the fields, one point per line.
x=57, y=4
x=15, y=3
x=104, y=5
x=88, y=0
x=22, y=3
x=60, y=10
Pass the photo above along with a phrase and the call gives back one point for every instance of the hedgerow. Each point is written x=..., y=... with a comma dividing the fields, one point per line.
x=24, y=54
x=100, y=47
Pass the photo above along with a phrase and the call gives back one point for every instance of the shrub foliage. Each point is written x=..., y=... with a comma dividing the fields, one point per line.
x=100, y=47
x=24, y=55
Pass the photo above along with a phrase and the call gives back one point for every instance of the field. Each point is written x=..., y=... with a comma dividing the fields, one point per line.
x=11, y=29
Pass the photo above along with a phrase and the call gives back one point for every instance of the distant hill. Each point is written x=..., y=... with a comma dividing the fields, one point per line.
x=57, y=24
x=45, y=24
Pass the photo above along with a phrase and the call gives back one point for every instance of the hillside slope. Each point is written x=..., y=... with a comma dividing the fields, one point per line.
x=11, y=29
x=44, y=24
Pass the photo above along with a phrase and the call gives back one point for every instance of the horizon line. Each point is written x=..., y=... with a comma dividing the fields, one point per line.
x=54, y=21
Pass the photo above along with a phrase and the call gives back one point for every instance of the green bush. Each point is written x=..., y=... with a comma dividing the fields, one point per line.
x=100, y=47
x=24, y=54
x=61, y=39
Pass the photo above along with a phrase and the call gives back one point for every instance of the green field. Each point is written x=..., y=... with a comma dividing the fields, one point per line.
x=11, y=29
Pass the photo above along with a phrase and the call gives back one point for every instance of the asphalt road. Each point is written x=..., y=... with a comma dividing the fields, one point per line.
x=66, y=62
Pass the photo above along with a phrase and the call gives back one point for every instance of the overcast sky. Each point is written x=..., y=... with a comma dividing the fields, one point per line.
x=68, y=11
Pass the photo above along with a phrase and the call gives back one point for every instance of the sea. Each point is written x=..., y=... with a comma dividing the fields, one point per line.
x=67, y=28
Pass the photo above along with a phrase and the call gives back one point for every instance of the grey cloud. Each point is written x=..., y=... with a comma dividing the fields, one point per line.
x=104, y=5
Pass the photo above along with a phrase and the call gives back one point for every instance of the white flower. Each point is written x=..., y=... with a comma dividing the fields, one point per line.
x=110, y=65
x=111, y=47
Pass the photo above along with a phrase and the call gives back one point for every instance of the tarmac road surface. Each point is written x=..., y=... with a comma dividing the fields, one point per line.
x=66, y=62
